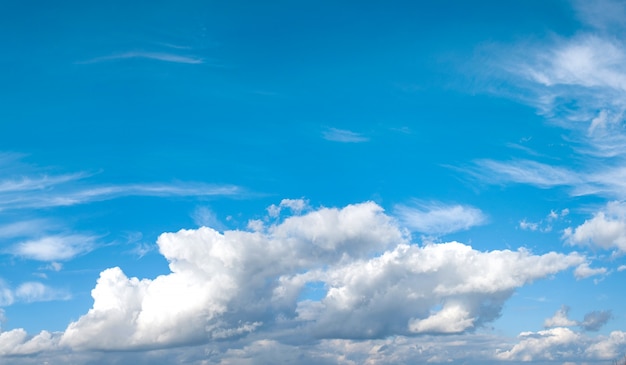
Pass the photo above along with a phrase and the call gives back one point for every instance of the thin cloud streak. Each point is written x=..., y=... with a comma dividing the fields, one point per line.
x=343, y=135
x=158, y=56
x=609, y=181
x=56, y=191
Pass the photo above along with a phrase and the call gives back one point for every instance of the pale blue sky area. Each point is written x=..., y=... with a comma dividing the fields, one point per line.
x=389, y=182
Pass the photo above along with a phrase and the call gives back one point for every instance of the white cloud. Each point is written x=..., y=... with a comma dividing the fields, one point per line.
x=528, y=226
x=551, y=344
x=27, y=188
x=583, y=271
x=621, y=268
x=18, y=342
x=438, y=218
x=343, y=135
x=610, y=347
x=37, y=292
x=577, y=83
x=296, y=206
x=224, y=279
x=26, y=228
x=560, y=319
x=6, y=294
x=525, y=172
x=158, y=56
x=606, y=230
x=54, y=248
x=452, y=318
x=203, y=216
x=222, y=287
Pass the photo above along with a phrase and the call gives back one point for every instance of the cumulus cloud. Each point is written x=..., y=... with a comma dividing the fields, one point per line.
x=551, y=344
x=237, y=283
x=18, y=342
x=438, y=218
x=583, y=271
x=224, y=284
x=560, y=319
x=606, y=230
x=564, y=344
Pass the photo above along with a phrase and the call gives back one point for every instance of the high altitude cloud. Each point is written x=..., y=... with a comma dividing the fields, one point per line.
x=26, y=187
x=226, y=286
x=577, y=83
x=437, y=218
x=343, y=135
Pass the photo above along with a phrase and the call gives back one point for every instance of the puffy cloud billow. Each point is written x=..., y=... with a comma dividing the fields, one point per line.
x=252, y=284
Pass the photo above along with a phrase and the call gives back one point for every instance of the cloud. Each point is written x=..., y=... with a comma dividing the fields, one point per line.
x=67, y=194
x=221, y=286
x=593, y=321
x=577, y=83
x=606, y=230
x=551, y=344
x=583, y=271
x=296, y=206
x=560, y=319
x=37, y=292
x=158, y=56
x=524, y=172
x=23, y=186
x=203, y=216
x=18, y=342
x=438, y=218
x=564, y=344
x=29, y=292
x=343, y=135
x=54, y=248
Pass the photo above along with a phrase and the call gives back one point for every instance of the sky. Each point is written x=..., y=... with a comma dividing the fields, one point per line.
x=312, y=182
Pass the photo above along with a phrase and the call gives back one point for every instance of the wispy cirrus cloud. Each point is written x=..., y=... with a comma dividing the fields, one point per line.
x=343, y=135
x=577, y=83
x=439, y=218
x=606, y=179
x=157, y=56
x=27, y=188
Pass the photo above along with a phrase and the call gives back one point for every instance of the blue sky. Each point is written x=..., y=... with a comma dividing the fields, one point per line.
x=312, y=182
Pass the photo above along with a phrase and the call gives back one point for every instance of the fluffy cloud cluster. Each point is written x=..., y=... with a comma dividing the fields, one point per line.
x=606, y=230
x=244, y=293
x=563, y=344
x=236, y=283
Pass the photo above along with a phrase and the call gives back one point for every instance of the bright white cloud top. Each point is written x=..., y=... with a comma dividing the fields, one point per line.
x=313, y=183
